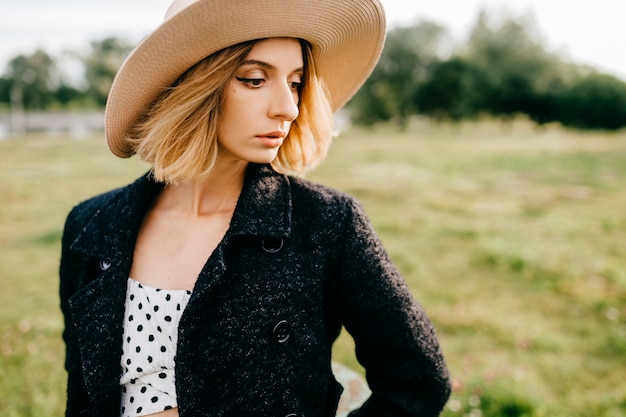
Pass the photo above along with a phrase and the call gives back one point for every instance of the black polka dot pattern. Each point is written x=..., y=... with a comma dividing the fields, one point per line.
x=149, y=348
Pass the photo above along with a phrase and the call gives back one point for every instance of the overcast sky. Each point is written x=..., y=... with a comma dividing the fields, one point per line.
x=588, y=32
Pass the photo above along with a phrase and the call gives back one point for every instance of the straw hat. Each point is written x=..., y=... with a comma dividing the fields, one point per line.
x=347, y=38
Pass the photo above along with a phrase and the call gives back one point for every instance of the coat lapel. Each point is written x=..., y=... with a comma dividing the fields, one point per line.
x=264, y=206
x=108, y=239
x=263, y=210
x=98, y=319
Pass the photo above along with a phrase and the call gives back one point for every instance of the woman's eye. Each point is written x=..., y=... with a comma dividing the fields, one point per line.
x=296, y=85
x=252, y=82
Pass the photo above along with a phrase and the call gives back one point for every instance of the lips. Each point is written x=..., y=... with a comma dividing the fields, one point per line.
x=272, y=139
x=274, y=135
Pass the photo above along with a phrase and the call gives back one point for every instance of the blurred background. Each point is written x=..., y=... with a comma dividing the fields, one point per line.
x=447, y=60
x=488, y=148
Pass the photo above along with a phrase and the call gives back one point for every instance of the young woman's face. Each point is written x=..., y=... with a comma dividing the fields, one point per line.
x=261, y=101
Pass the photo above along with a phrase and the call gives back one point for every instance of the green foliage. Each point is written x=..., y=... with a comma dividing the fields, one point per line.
x=511, y=240
x=595, y=101
x=513, y=64
x=447, y=92
x=489, y=400
x=503, y=70
x=40, y=180
x=35, y=82
x=404, y=63
x=101, y=65
x=30, y=81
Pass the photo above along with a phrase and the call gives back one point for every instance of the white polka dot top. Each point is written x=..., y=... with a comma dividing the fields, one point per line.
x=151, y=320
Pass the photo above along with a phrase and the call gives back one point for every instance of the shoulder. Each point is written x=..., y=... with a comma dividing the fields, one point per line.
x=104, y=202
x=320, y=196
x=322, y=203
x=86, y=209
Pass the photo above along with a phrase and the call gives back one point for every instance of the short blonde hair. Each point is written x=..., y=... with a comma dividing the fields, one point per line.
x=178, y=134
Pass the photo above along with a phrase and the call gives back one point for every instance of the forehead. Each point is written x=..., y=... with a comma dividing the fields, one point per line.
x=283, y=52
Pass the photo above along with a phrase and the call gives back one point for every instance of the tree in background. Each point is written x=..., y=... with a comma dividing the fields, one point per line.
x=502, y=70
x=515, y=74
x=404, y=64
x=101, y=65
x=34, y=82
x=30, y=81
x=594, y=101
x=449, y=91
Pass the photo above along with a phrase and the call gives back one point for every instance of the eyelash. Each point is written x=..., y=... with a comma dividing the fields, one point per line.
x=252, y=82
x=256, y=82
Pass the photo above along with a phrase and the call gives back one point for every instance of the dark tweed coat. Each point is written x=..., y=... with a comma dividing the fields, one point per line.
x=298, y=261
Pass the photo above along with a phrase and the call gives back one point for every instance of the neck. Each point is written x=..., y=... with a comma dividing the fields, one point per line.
x=217, y=192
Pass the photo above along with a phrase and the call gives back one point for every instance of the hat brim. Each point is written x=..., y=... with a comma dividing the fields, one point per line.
x=347, y=38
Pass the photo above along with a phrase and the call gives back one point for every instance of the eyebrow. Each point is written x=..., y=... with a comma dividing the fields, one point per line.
x=266, y=65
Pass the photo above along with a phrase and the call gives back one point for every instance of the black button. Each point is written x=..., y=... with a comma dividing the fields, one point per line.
x=104, y=265
x=272, y=245
x=85, y=413
x=282, y=331
x=291, y=415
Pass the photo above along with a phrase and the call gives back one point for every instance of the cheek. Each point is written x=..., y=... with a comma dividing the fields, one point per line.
x=237, y=105
x=231, y=110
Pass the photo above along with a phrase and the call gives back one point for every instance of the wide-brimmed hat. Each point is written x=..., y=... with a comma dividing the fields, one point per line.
x=347, y=37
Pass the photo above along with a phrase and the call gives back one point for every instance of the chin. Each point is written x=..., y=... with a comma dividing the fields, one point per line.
x=263, y=159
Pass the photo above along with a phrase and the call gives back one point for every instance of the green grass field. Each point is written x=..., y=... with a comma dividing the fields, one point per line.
x=513, y=239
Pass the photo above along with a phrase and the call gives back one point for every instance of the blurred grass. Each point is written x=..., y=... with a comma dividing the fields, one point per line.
x=512, y=238
x=41, y=178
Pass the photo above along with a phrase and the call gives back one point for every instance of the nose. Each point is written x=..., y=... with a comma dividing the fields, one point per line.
x=284, y=104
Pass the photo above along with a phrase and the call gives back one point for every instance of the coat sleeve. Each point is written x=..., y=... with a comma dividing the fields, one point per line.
x=72, y=270
x=395, y=340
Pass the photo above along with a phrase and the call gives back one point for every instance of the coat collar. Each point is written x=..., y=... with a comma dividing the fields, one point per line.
x=264, y=206
x=263, y=209
x=111, y=231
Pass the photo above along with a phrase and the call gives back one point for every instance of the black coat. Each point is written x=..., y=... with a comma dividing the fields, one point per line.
x=298, y=261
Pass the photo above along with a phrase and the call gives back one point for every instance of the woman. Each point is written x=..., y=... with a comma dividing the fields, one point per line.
x=215, y=285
